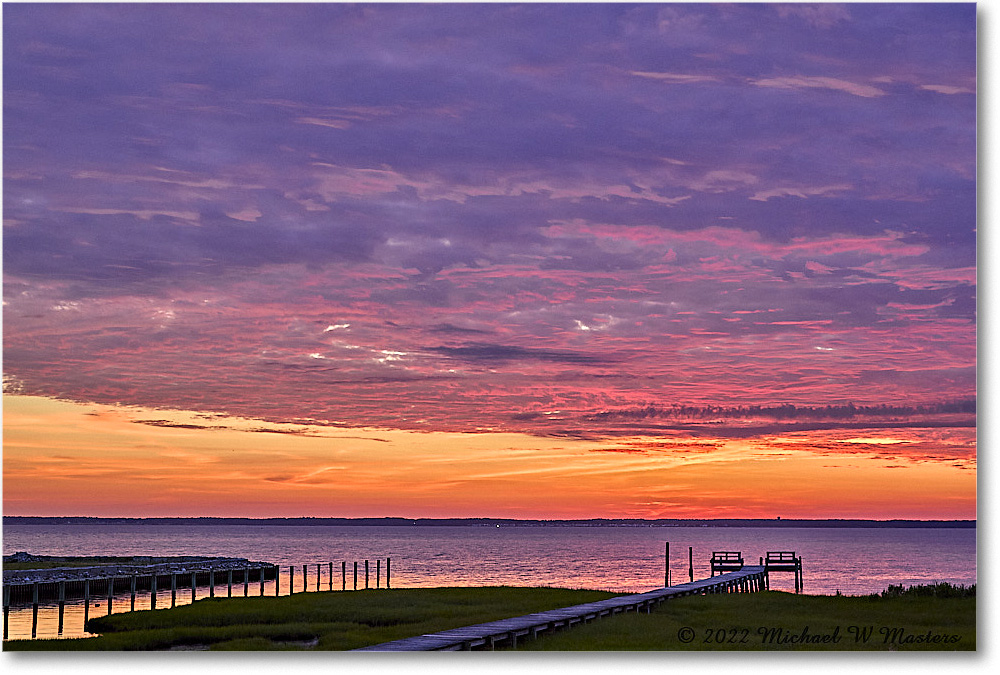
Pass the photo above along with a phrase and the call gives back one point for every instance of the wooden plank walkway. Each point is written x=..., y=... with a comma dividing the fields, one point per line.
x=507, y=632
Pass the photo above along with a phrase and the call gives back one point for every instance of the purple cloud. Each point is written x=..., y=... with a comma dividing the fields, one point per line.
x=507, y=207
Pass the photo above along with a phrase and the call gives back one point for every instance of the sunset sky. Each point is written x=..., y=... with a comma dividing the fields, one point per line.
x=424, y=260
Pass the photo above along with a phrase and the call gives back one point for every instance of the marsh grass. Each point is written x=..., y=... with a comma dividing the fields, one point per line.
x=327, y=620
x=346, y=620
x=760, y=621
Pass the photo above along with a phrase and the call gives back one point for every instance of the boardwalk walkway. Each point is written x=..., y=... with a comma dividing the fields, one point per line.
x=507, y=631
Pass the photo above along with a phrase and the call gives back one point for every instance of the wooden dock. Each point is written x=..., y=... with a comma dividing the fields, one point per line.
x=507, y=632
x=121, y=582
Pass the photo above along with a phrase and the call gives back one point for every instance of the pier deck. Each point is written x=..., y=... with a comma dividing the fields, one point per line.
x=489, y=635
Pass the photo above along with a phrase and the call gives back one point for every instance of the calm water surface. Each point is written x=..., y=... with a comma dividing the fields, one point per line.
x=852, y=561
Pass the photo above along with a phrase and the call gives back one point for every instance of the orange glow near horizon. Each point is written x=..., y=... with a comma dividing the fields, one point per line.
x=62, y=458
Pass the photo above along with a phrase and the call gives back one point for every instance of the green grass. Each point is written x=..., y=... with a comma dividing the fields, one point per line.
x=759, y=621
x=740, y=621
x=329, y=620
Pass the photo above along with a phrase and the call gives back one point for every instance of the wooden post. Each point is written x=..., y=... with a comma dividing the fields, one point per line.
x=378, y=573
x=690, y=563
x=318, y=575
x=277, y=581
x=366, y=575
x=62, y=604
x=305, y=578
x=262, y=579
x=111, y=592
x=6, y=608
x=152, y=593
x=291, y=579
x=133, y=593
x=194, y=586
x=246, y=581
x=211, y=583
x=34, y=610
x=34, y=607
x=86, y=603
x=388, y=566
x=355, y=575
x=343, y=575
x=331, y=576
x=666, y=566
x=173, y=589
x=229, y=584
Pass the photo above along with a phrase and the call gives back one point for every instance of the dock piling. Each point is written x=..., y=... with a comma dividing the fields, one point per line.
x=173, y=590
x=388, y=566
x=34, y=609
x=666, y=565
x=229, y=584
x=331, y=576
x=62, y=605
x=366, y=575
x=690, y=563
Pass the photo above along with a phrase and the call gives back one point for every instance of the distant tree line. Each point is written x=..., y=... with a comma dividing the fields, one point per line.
x=785, y=411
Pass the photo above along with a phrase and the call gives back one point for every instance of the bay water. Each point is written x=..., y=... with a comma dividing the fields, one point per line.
x=852, y=561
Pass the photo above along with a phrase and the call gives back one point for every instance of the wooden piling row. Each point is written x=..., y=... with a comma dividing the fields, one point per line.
x=136, y=581
x=23, y=594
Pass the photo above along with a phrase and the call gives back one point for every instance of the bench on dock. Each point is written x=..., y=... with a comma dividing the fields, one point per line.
x=785, y=561
x=726, y=561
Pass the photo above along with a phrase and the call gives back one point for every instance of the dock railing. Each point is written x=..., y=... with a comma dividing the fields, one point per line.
x=726, y=561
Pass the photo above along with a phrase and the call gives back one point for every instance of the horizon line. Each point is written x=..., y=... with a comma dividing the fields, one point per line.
x=503, y=519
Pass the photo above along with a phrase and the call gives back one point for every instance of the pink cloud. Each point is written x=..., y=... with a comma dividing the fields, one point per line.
x=804, y=82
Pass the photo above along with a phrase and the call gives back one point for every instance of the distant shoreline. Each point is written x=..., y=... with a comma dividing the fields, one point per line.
x=499, y=522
